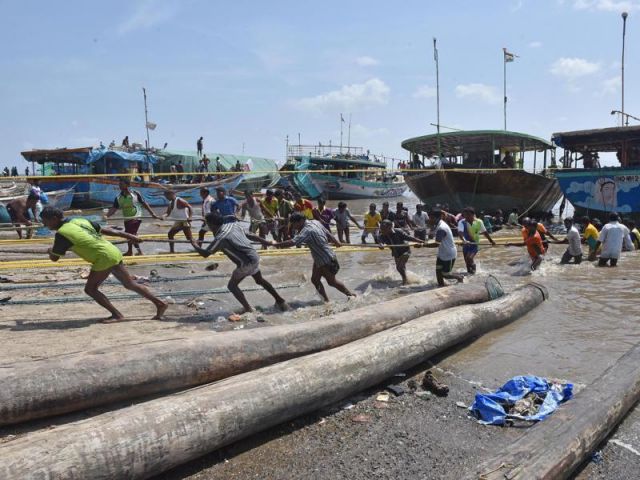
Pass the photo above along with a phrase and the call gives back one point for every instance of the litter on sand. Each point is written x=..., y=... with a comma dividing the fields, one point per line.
x=525, y=397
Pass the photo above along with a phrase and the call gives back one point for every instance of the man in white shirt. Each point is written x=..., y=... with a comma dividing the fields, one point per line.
x=207, y=201
x=574, y=249
x=613, y=236
x=420, y=220
x=447, y=251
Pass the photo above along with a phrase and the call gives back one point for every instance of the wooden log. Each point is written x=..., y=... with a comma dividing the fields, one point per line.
x=52, y=386
x=148, y=438
x=555, y=447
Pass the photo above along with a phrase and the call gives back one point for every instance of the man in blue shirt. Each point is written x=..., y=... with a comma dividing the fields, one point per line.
x=227, y=207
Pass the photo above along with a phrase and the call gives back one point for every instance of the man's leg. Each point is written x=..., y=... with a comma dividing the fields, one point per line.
x=260, y=280
x=602, y=262
x=439, y=276
x=186, y=228
x=340, y=231
x=122, y=275
x=329, y=273
x=316, y=279
x=201, y=235
x=565, y=258
x=91, y=288
x=234, y=288
x=578, y=259
x=614, y=262
x=401, y=266
x=171, y=235
x=347, y=237
x=364, y=236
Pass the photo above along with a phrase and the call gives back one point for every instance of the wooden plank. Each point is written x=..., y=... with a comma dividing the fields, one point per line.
x=47, y=387
x=557, y=446
x=146, y=439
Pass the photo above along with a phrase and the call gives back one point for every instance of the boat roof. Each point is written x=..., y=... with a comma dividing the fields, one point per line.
x=343, y=159
x=600, y=139
x=59, y=155
x=455, y=143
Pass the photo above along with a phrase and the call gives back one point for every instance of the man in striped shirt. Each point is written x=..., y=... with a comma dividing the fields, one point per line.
x=232, y=240
x=325, y=263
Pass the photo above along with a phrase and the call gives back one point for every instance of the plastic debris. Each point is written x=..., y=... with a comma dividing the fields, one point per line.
x=234, y=317
x=397, y=390
x=383, y=397
x=362, y=418
x=461, y=405
x=431, y=384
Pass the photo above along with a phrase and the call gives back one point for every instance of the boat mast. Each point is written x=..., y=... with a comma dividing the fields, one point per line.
x=146, y=116
x=349, y=136
x=624, y=31
x=341, y=122
x=435, y=58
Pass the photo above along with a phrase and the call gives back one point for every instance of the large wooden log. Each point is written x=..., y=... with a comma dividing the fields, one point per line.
x=148, y=438
x=53, y=386
x=554, y=448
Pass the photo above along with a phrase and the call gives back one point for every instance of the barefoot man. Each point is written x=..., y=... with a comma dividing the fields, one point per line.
x=232, y=240
x=84, y=238
x=181, y=213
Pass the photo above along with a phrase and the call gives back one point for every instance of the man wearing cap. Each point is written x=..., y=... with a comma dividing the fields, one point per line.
x=227, y=207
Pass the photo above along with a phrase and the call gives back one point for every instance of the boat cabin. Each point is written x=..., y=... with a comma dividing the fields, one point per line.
x=582, y=148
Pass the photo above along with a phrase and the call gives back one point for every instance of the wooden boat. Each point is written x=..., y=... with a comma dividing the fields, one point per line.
x=58, y=198
x=369, y=178
x=593, y=190
x=468, y=169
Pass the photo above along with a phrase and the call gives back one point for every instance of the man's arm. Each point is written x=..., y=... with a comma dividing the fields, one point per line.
x=213, y=247
x=333, y=239
x=115, y=233
x=256, y=238
x=353, y=220
x=146, y=205
x=488, y=237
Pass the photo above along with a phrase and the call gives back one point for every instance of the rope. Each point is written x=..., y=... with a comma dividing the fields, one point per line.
x=128, y=296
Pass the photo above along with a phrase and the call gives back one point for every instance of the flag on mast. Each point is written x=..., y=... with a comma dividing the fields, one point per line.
x=151, y=125
x=509, y=57
x=435, y=49
x=341, y=118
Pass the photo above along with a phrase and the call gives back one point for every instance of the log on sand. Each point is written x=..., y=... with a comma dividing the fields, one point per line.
x=43, y=388
x=148, y=438
x=554, y=448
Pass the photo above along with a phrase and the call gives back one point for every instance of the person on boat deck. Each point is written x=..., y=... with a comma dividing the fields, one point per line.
x=21, y=210
x=532, y=241
x=614, y=236
x=469, y=229
x=397, y=236
x=447, y=251
x=420, y=220
x=5, y=172
x=269, y=206
x=228, y=207
x=207, y=201
x=199, y=145
x=325, y=263
x=131, y=203
x=125, y=141
x=386, y=213
x=635, y=234
x=84, y=238
x=572, y=239
x=508, y=161
x=181, y=213
x=238, y=167
x=205, y=163
x=342, y=215
x=542, y=231
x=590, y=236
x=303, y=206
x=234, y=242
x=513, y=218
x=285, y=209
x=26, y=172
x=372, y=220
x=323, y=214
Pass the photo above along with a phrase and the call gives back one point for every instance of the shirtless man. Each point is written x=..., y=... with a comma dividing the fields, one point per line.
x=20, y=210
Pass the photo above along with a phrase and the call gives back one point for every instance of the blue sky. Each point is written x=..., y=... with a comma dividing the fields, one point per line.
x=253, y=72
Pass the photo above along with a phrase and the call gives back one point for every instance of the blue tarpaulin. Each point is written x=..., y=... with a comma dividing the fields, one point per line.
x=492, y=408
x=104, y=154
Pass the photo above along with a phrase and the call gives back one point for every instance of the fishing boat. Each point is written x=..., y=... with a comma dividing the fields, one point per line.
x=326, y=171
x=592, y=189
x=483, y=169
x=57, y=198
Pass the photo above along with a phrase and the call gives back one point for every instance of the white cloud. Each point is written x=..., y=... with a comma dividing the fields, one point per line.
x=425, y=91
x=360, y=131
x=535, y=44
x=572, y=68
x=607, y=5
x=478, y=91
x=611, y=85
x=350, y=97
x=148, y=14
x=367, y=61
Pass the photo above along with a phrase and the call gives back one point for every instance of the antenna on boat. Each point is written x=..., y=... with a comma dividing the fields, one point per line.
x=507, y=57
x=435, y=58
x=624, y=31
x=146, y=116
x=341, y=122
x=349, y=136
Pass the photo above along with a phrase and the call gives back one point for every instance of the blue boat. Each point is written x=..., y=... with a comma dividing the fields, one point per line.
x=593, y=190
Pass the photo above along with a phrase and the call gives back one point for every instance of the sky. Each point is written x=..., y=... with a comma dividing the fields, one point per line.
x=245, y=74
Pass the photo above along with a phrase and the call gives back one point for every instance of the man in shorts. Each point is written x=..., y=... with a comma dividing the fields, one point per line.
x=469, y=229
x=532, y=240
x=235, y=243
x=131, y=203
x=342, y=215
x=372, y=220
x=207, y=201
x=447, y=251
x=84, y=238
x=574, y=249
x=395, y=237
x=181, y=213
x=21, y=211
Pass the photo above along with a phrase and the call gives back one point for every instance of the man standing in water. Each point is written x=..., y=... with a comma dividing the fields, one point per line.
x=181, y=213
x=574, y=250
x=532, y=241
x=397, y=236
x=232, y=240
x=84, y=238
x=590, y=235
x=420, y=220
x=613, y=237
x=447, y=251
x=325, y=263
x=131, y=204
x=342, y=215
x=371, y=222
x=469, y=230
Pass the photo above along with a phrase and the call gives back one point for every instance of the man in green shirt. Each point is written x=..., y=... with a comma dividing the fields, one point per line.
x=84, y=239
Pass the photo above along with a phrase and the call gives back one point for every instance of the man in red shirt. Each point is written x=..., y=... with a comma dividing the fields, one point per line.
x=533, y=242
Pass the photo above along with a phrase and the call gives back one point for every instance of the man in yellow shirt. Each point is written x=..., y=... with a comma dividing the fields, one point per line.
x=590, y=236
x=372, y=220
x=269, y=206
x=84, y=238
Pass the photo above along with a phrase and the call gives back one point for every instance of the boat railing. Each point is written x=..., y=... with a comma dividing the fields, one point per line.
x=322, y=150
